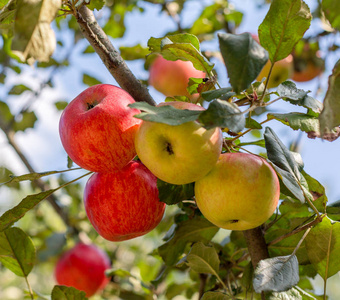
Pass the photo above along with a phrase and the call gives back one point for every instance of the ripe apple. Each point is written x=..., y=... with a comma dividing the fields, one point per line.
x=97, y=128
x=172, y=77
x=178, y=154
x=241, y=192
x=124, y=204
x=83, y=267
x=282, y=70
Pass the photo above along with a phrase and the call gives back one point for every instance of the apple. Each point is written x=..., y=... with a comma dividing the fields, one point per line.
x=97, y=128
x=241, y=192
x=282, y=70
x=124, y=204
x=178, y=154
x=83, y=267
x=172, y=77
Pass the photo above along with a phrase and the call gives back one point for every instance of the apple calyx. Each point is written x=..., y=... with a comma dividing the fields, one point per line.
x=92, y=104
x=169, y=149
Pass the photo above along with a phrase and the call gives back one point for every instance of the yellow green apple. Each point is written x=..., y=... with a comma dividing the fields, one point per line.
x=241, y=192
x=178, y=154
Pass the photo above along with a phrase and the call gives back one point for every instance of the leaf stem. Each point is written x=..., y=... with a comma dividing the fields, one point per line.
x=300, y=242
x=29, y=288
x=267, y=81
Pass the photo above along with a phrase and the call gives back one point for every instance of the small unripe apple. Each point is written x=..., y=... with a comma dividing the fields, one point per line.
x=124, y=204
x=83, y=267
x=97, y=128
x=178, y=154
x=172, y=77
x=241, y=192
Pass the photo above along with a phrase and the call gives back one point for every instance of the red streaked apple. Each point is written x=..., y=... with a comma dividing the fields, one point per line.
x=178, y=154
x=83, y=267
x=97, y=128
x=124, y=204
x=241, y=192
x=172, y=77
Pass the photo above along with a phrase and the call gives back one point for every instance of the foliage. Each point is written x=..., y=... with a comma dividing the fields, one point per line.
x=185, y=255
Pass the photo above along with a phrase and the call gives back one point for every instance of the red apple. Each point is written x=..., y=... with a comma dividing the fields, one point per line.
x=97, y=128
x=124, y=204
x=172, y=77
x=83, y=267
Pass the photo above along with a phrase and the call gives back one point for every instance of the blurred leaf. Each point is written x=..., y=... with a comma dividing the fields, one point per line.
x=284, y=163
x=181, y=46
x=164, y=114
x=118, y=272
x=89, y=80
x=28, y=120
x=259, y=143
x=331, y=9
x=243, y=57
x=330, y=115
x=223, y=93
x=323, y=247
x=17, y=252
x=89, y=50
x=203, y=259
x=7, y=16
x=222, y=114
x=297, y=121
x=18, y=89
x=135, y=52
x=61, y=105
x=53, y=246
x=276, y=274
x=61, y=292
x=172, y=194
x=283, y=26
x=96, y=4
x=4, y=175
x=288, y=91
x=5, y=112
x=33, y=36
x=214, y=296
x=253, y=124
x=193, y=230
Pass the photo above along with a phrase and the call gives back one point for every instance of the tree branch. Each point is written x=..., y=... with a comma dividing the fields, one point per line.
x=110, y=56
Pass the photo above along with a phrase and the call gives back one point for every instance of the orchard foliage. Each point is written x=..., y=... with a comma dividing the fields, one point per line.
x=185, y=255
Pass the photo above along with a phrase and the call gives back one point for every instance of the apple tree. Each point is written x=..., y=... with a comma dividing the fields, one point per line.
x=188, y=255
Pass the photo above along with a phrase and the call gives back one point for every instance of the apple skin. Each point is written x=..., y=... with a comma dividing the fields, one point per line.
x=282, y=70
x=172, y=77
x=124, y=204
x=241, y=192
x=83, y=267
x=178, y=154
x=97, y=128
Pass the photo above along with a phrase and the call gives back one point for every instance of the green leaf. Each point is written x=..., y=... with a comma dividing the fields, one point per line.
x=181, y=46
x=193, y=230
x=259, y=143
x=4, y=175
x=5, y=112
x=28, y=120
x=115, y=26
x=7, y=17
x=96, y=4
x=222, y=114
x=61, y=105
x=164, y=114
x=276, y=274
x=288, y=91
x=330, y=115
x=283, y=26
x=17, y=252
x=214, y=296
x=89, y=80
x=223, y=93
x=331, y=9
x=253, y=124
x=53, y=246
x=243, y=57
x=298, y=121
x=135, y=52
x=173, y=193
x=18, y=89
x=203, y=259
x=323, y=247
x=61, y=292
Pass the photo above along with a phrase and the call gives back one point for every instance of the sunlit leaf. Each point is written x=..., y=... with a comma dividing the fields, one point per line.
x=17, y=252
x=134, y=52
x=276, y=274
x=90, y=80
x=283, y=26
x=96, y=4
x=243, y=57
x=61, y=292
x=18, y=89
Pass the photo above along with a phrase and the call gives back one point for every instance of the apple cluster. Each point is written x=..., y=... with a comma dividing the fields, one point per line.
x=97, y=130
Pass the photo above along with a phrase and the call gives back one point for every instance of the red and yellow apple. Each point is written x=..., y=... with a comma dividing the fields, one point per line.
x=241, y=192
x=178, y=154
x=83, y=267
x=124, y=204
x=97, y=128
x=172, y=77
